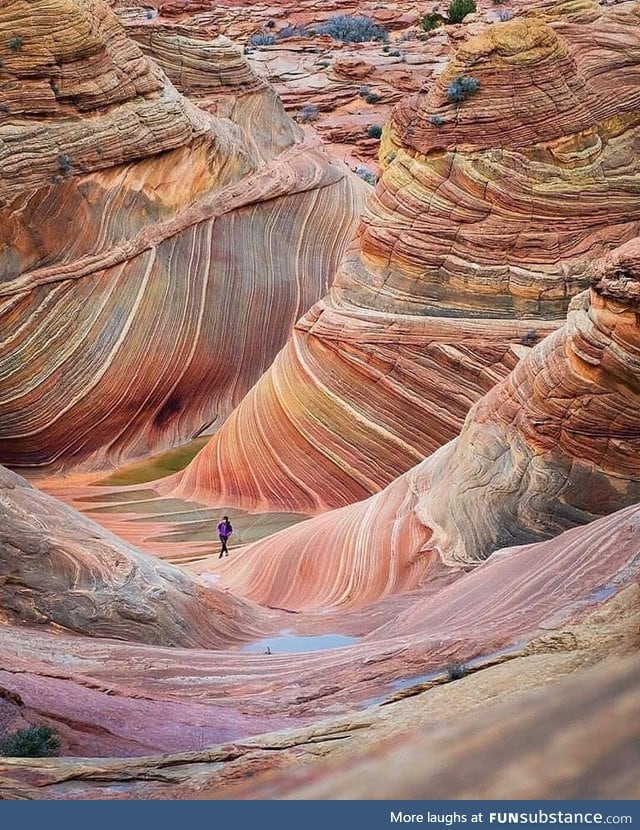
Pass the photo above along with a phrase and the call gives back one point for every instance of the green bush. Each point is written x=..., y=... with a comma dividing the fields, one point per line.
x=15, y=43
x=374, y=131
x=372, y=98
x=366, y=174
x=455, y=671
x=462, y=88
x=459, y=9
x=431, y=21
x=262, y=39
x=352, y=29
x=32, y=742
x=436, y=120
x=64, y=163
x=309, y=113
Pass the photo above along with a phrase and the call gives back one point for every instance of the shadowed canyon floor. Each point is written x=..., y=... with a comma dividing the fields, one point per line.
x=418, y=404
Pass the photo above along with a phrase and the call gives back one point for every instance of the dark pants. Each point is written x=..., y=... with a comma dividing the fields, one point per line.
x=224, y=550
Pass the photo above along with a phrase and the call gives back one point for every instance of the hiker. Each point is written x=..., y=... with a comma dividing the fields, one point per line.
x=224, y=531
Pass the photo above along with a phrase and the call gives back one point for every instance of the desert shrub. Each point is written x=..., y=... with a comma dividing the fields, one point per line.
x=530, y=338
x=262, y=39
x=292, y=31
x=455, y=671
x=270, y=24
x=372, y=98
x=365, y=174
x=436, y=120
x=352, y=29
x=374, y=131
x=395, y=53
x=505, y=15
x=149, y=14
x=364, y=91
x=459, y=9
x=309, y=113
x=391, y=156
x=462, y=88
x=431, y=21
x=15, y=43
x=64, y=163
x=32, y=742
x=386, y=47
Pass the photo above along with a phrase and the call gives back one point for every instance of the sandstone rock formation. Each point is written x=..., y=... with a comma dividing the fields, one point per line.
x=145, y=241
x=164, y=225
x=567, y=754
x=350, y=86
x=482, y=227
x=546, y=610
x=60, y=571
x=555, y=444
x=554, y=741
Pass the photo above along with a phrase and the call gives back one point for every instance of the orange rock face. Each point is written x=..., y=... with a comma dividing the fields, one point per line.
x=555, y=444
x=479, y=232
x=462, y=408
x=147, y=243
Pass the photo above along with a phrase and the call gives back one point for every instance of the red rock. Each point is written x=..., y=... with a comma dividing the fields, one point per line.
x=145, y=246
x=555, y=444
x=478, y=234
x=60, y=571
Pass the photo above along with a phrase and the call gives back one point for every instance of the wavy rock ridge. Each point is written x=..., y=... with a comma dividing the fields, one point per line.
x=575, y=593
x=143, y=323
x=62, y=571
x=480, y=231
x=553, y=445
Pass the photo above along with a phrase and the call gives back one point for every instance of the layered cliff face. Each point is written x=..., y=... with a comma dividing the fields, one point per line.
x=215, y=74
x=154, y=255
x=488, y=213
x=555, y=444
x=145, y=241
x=62, y=572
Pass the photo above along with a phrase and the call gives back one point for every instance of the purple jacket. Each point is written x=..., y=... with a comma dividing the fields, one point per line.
x=225, y=529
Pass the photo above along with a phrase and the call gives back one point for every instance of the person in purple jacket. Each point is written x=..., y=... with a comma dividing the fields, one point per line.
x=224, y=531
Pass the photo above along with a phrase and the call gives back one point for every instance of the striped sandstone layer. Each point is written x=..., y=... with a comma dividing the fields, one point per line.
x=576, y=593
x=553, y=445
x=547, y=743
x=60, y=571
x=154, y=255
x=215, y=75
x=564, y=740
x=480, y=231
